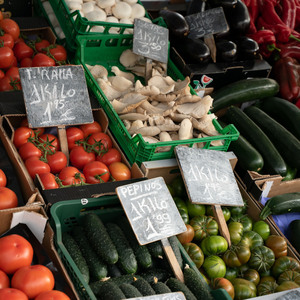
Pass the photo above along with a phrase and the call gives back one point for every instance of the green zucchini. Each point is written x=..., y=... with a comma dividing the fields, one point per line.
x=97, y=267
x=110, y=291
x=196, y=284
x=173, y=240
x=242, y=91
x=144, y=287
x=161, y=288
x=273, y=161
x=176, y=285
x=284, y=141
x=99, y=238
x=293, y=234
x=76, y=255
x=284, y=112
x=130, y=291
x=291, y=173
x=127, y=260
x=281, y=204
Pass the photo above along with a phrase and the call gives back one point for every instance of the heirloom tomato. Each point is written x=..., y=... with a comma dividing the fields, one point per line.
x=245, y=220
x=35, y=165
x=231, y=273
x=238, y=210
x=8, y=198
x=187, y=236
x=223, y=283
x=3, y=179
x=214, y=245
x=262, y=259
x=289, y=275
x=225, y=210
x=284, y=263
x=112, y=155
x=214, y=266
x=119, y=171
x=79, y=157
x=195, y=209
x=4, y=280
x=266, y=288
x=90, y=128
x=178, y=187
x=278, y=244
x=12, y=294
x=243, y=289
x=262, y=228
x=195, y=253
x=96, y=172
x=21, y=136
x=235, y=231
x=252, y=275
x=236, y=256
x=286, y=285
x=48, y=181
x=204, y=226
x=252, y=239
x=71, y=176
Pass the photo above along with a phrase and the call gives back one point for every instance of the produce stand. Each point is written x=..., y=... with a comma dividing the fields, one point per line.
x=237, y=94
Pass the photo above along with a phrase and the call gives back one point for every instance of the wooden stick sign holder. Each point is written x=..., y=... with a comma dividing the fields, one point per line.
x=56, y=97
x=153, y=215
x=209, y=179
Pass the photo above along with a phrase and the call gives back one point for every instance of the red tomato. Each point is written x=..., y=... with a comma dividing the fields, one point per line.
x=1, y=15
x=90, y=128
x=33, y=280
x=13, y=73
x=39, y=131
x=110, y=156
x=74, y=134
x=71, y=176
x=4, y=280
x=101, y=139
x=50, y=141
x=57, y=161
x=35, y=166
x=8, y=198
x=96, y=172
x=119, y=171
x=6, y=57
x=79, y=157
x=41, y=44
x=52, y=295
x=7, y=40
x=48, y=181
x=14, y=63
x=42, y=60
x=2, y=74
x=26, y=62
x=16, y=252
x=58, y=52
x=29, y=149
x=21, y=136
x=3, y=179
x=12, y=294
x=22, y=50
x=5, y=84
x=11, y=27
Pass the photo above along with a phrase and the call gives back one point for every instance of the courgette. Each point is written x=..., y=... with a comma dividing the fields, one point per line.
x=293, y=234
x=284, y=112
x=110, y=291
x=242, y=91
x=290, y=174
x=99, y=238
x=127, y=260
x=76, y=255
x=161, y=288
x=273, y=161
x=176, y=285
x=97, y=267
x=144, y=287
x=130, y=291
x=281, y=204
x=284, y=141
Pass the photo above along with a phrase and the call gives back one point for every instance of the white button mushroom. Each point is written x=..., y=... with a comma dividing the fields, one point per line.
x=122, y=10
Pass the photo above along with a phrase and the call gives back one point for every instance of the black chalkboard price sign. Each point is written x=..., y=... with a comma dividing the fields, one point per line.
x=56, y=96
x=292, y=295
x=169, y=296
x=150, y=40
x=210, y=21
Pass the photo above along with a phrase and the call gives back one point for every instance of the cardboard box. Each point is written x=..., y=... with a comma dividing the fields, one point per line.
x=31, y=223
x=9, y=122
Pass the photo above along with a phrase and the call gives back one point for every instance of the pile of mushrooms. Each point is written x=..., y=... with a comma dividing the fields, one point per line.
x=112, y=11
x=163, y=110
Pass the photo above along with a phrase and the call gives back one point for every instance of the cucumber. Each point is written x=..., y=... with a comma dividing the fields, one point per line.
x=99, y=238
x=161, y=288
x=293, y=234
x=284, y=141
x=141, y=252
x=242, y=91
x=76, y=255
x=110, y=291
x=151, y=275
x=130, y=291
x=197, y=285
x=273, y=161
x=127, y=260
x=114, y=271
x=97, y=267
x=281, y=204
x=173, y=240
x=144, y=287
x=176, y=285
x=155, y=249
x=284, y=112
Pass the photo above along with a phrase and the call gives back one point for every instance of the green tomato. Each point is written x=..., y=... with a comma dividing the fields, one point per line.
x=262, y=259
x=287, y=285
x=246, y=221
x=236, y=231
x=262, y=228
x=252, y=275
x=180, y=203
x=184, y=215
x=239, y=210
x=214, y=266
x=195, y=209
x=266, y=288
x=231, y=273
x=214, y=245
x=195, y=253
x=204, y=226
x=178, y=187
x=236, y=256
x=243, y=289
x=252, y=239
x=225, y=210
x=284, y=263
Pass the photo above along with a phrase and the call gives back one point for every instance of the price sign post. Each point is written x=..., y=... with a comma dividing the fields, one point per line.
x=56, y=96
x=153, y=215
x=151, y=41
x=209, y=179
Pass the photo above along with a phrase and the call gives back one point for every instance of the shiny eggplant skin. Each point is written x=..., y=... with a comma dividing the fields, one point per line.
x=247, y=48
x=226, y=50
x=223, y=3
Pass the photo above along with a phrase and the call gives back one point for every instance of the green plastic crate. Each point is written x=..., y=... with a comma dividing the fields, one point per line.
x=66, y=214
x=106, y=50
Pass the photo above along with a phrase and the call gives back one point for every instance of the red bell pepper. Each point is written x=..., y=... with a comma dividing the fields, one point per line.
x=289, y=13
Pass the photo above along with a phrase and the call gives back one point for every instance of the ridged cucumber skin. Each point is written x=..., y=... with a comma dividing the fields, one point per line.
x=142, y=254
x=161, y=288
x=110, y=291
x=127, y=258
x=130, y=291
x=155, y=249
x=248, y=157
x=284, y=141
x=284, y=112
x=151, y=275
x=99, y=238
x=281, y=204
x=173, y=240
x=144, y=287
x=197, y=286
x=176, y=285
x=242, y=91
x=76, y=254
x=273, y=161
